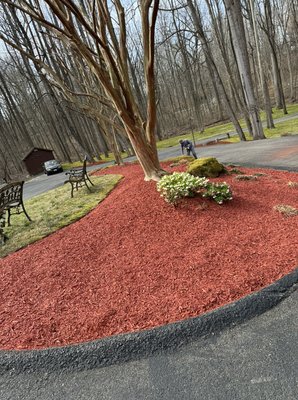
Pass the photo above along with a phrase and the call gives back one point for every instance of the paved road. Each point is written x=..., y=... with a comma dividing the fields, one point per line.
x=257, y=360
x=277, y=153
x=42, y=183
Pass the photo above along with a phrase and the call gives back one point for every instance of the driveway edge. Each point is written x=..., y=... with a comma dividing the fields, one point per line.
x=127, y=347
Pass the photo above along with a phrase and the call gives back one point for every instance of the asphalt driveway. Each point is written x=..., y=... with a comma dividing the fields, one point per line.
x=280, y=153
x=257, y=360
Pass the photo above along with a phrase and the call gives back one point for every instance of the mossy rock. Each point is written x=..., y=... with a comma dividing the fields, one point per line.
x=208, y=167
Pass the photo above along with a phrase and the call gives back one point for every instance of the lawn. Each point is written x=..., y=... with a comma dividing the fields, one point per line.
x=54, y=210
x=209, y=132
x=282, y=128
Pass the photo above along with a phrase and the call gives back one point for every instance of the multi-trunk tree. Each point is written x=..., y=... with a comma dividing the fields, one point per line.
x=89, y=30
x=79, y=75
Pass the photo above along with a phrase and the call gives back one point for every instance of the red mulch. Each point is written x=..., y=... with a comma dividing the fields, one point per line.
x=136, y=262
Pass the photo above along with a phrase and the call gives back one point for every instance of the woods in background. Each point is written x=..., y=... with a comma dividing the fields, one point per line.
x=84, y=77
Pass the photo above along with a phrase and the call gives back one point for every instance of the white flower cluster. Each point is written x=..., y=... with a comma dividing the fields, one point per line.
x=219, y=192
x=178, y=185
x=182, y=184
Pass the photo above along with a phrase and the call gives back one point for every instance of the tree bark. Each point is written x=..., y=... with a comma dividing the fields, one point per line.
x=233, y=9
x=264, y=85
x=196, y=17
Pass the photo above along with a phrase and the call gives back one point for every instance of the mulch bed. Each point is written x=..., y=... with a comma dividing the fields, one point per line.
x=136, y=262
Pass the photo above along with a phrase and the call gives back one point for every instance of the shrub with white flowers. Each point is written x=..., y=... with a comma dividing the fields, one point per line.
x=219, y=192
x=182, y=184
x=178, y=185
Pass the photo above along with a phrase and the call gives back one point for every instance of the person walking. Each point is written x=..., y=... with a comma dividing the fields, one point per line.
x=188, y=145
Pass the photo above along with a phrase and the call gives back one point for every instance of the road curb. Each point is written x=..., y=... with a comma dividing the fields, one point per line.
x=127, y=347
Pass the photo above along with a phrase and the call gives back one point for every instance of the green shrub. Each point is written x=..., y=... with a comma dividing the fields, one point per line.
x=219, y=192
x=181, y=184
x=178, y=185
x=207, y=167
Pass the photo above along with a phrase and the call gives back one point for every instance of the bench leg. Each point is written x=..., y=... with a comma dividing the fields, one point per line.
x=25, y=212
x=89, y=180
x=87, y=185
x=75, y=185
x=72, y=187
x=8, y=217
x=3, y=237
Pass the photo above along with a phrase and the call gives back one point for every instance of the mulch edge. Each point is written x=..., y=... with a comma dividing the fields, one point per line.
x=289, y=169
x=132, y=346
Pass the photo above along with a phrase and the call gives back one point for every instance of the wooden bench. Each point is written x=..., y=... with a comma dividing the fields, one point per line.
x=11, y=198
x=78, y=177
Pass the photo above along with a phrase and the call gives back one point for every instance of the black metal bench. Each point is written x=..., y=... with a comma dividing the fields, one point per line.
x=11, y=202
x=78, y=178
x=3, y=237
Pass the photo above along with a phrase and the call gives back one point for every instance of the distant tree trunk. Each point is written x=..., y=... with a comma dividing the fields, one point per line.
x=220, y=36
x=233, y=8
x=264, y=85
x=269, y=29
x=196, y=17
x=15, y=112
x=189, y=78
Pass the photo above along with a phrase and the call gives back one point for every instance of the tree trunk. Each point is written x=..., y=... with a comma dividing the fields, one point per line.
x=264, y=85
x=196, y=17
x=269, y=29
x=146, y=156
x=233, y=8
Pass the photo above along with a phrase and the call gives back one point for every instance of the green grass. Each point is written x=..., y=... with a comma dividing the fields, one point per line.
x=292, y=109
x=74, y=164
x=208, y=132
x=54, y=210
x=282, y=128
x=217, y=129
